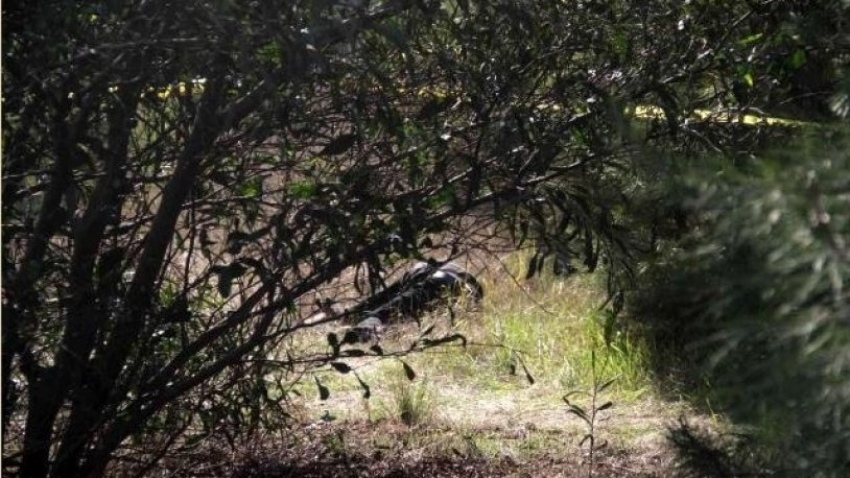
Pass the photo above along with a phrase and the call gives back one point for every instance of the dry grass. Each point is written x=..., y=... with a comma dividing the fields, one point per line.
x=468, y=411
x=390, y=450
x=482, y=394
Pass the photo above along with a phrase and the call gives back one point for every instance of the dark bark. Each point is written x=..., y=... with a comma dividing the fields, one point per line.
x=87, y=315
x=47, y=387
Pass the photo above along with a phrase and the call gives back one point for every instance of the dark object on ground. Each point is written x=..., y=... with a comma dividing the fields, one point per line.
x=421, y=289
x=367, y=330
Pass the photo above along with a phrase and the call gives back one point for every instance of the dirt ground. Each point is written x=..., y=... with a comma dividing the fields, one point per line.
x=392, y=450
x=484, y=421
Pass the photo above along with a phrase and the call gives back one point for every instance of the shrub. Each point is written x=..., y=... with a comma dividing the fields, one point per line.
x=755, y=303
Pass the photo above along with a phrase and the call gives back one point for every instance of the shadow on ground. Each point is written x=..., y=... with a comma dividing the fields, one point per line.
x=389, y=450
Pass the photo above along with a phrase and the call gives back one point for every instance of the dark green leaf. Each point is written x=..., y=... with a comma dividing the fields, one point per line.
x=532, y=267
x=606, y=384
x=333, y=340
x=302, y=190
x=579, y=412
x=377, y=349
x=408, y=371
x=570, y=394
x=323, y=390
x=341, y=367
x=528, y=375
x=367, y=392
x=354, y=353
x=444, y=340
x=523, y=231
x=252, y=188
x=605, y=406
x=750, y=39
x=797, y=59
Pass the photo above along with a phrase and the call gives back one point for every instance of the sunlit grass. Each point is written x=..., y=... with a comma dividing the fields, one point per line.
x=410, y=402
x=543, y=331
x=529, y=342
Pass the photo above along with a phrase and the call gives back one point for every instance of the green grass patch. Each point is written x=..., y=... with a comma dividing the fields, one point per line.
x=410, y=402
x=530, y=342
x=540, y=331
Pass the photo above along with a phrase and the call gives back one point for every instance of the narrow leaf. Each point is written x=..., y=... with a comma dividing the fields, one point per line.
x=797, y=59
x=367, y=392
x=341, y=367
x=606, y=384
x=579, y=413
x=333, y=340
x=323, y=390
x=605, y=406
x=528, y=375
x=444, y=340
x=408, y=371
x=750, y=39
x=570, y=394
x=532, y=267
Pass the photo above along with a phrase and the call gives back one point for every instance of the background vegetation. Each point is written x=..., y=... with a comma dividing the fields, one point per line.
x=184, y=183
x=756, y=299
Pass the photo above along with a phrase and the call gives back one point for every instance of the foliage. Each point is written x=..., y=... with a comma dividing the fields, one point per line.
x=589, y=413
x=181, y=179
x=756, y=299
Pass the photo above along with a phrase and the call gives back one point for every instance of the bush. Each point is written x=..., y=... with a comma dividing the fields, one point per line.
x=181, y=180
x=755, y=303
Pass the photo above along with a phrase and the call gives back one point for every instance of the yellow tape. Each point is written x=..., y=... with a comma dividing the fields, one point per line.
x=655, y=112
